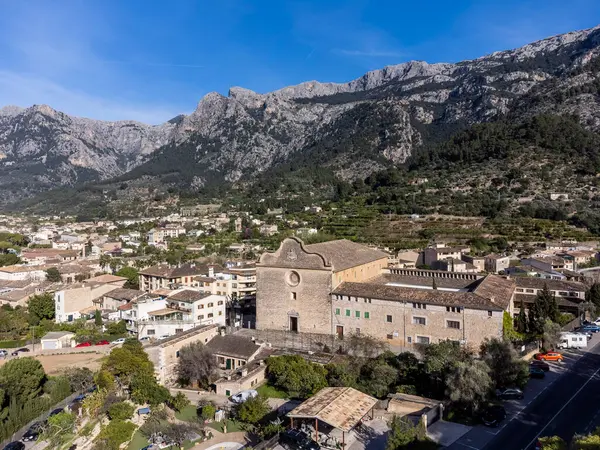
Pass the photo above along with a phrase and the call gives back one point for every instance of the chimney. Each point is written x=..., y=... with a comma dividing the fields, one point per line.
x=244, y=372
x=211, y=271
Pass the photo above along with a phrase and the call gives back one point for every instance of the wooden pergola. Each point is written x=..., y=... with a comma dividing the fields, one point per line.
x=339, y=407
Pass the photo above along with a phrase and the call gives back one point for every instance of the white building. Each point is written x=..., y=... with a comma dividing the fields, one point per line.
x=23, y=272
x=180, y=311
x=160, y=235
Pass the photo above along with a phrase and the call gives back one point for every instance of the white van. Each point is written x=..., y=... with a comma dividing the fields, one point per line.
x=242, y=396
x=572, y=340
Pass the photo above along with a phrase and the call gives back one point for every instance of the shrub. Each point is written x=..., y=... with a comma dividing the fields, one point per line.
x=121, y=411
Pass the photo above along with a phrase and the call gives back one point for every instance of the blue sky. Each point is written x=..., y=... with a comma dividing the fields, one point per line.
x=150, y=60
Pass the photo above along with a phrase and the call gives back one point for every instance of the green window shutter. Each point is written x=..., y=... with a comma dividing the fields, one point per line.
x=348, y=313
x=337, y=311
x=367, y=315
x=357, y=314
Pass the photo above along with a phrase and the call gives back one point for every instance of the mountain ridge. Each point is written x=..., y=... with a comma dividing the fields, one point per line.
x=375, y=121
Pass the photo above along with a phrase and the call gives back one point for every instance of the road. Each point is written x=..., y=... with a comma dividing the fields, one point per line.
x=571, y=405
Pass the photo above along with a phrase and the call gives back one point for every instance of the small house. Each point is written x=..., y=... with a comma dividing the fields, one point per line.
x=58, y=339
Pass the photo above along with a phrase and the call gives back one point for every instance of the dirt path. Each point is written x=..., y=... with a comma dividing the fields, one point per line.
x=57, y=363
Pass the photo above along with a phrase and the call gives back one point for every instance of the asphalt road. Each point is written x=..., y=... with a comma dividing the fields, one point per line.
x=570, y=406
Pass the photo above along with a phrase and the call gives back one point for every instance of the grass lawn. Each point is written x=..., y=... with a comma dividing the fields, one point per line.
x=271, y=391
x=187, y=414
x=138, y=441
x=232, y=426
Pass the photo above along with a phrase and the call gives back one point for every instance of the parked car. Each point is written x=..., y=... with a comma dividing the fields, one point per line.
x=242, y=396
x=118, y=341
x=103, y=342
x=32, y=433
x=536, y=372
x=509, y=394
x=540, y=365
x=549, y=356
x=296, y=439
x=145, y=338
x=164, y=336
x=15, y=445
x=493, y=415
x=56, y=411
x=3, y=353
x=591, y=327
x=83, y=344
x=21, y=350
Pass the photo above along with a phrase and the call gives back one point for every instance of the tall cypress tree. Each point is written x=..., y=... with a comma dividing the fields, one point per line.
x=521, y=323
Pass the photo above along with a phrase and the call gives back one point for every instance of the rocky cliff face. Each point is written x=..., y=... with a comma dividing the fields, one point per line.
x=354, y=128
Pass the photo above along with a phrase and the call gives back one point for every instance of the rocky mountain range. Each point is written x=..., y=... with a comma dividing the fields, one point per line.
x=376, y=121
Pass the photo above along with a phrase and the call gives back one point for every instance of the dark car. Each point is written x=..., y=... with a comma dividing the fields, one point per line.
x=510, y=394
x=493, y=415
x=540, y=365
x=296, y=439
x=536, y=372
x=16, y=445
x=56, y=411
x=591, y=328
x=33, y=432
x=21, y=350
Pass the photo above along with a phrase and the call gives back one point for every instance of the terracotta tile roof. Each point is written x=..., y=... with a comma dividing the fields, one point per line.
x=339, y=407
x=234, y=346
x=124, y=294
x=344, y=254
x=449, y=283
x=107, y=278
x=429, y=296
x=188, y=295
x=165, y=271
x=497, y=289
x=528, y=299
x=554, y=285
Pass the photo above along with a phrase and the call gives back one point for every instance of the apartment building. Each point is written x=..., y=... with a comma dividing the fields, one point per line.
x=440, y=252
x=166, y=277
x=177, y=312
x=569, y=294
x=160, y=235
x=78, y=300
x=23, y=272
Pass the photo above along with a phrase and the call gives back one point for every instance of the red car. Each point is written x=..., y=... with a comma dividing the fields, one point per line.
x=102, y=343
x=84, y=344
x=549, y=356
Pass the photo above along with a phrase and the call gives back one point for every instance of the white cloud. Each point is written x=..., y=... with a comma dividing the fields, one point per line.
x=26, y=89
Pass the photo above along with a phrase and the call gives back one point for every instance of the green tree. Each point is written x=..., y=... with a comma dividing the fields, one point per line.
x=104, y=261
x=508, y=330
x=132, y=276
x=377, y=378
x=80, y=378
x=253, y=410
x=22, y=378
x=104, y=379
x=121, y=411
x=439, y=360
x=208, y=411
x=521, y=325
x=40, y=307
x=145, y=389
x=53, y=275
x=98, y=318
x=59, y=429
x=469, y=384
x=553, y=443
x=402, y=434
x=114, y=434
x=299, y=377
x=551, y=335
x=179, y=401
x=117, y=328
x=592, y=295
x=196, y=364
x=506, y=368
x=535, y=316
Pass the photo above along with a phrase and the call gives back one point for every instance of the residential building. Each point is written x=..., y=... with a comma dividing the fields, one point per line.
x=80, y=299
x=455, y=265
x=477, y=261
x=42, y=255
x=23, y=272
x=233, y=352
x=160, y=235
x=118, y=297
x=246, y=377
x=580, y=257
x=441, y=252
x=549, y=263
x=294, y=283
x=496, y=263
x=569, y=294
x=164, y=354
x=468, y=311
x=268, y=230
x=164, y=276
x=179, y=311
